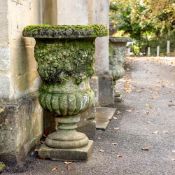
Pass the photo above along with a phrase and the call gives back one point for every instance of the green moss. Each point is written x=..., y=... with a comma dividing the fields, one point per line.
x=60, y=60
x=65, y=31
x=2, y=167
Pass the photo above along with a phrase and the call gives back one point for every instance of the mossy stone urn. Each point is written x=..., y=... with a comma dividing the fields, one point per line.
x=117, y=52
x=65, y=57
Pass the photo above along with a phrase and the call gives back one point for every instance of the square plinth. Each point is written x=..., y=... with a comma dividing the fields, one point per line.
x=77, y=154
x=103, y=117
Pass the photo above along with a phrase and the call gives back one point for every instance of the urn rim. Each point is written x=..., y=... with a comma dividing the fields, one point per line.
x=65, y=31
x=119, y=39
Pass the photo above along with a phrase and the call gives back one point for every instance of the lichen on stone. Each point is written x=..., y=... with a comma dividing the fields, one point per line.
x=60, y=60
x=2, y=167
x=65, y=31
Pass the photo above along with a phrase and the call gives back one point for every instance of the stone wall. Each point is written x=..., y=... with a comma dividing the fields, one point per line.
x=20, y=114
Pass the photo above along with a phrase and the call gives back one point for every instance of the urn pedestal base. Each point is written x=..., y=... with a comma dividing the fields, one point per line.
x=76, y=154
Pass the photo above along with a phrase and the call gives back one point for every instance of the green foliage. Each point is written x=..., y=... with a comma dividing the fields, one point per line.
x=2, y=167
x=136, y=49
x=143, y=20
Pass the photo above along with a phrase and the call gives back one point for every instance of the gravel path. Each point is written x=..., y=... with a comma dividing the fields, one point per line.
x=140, y=139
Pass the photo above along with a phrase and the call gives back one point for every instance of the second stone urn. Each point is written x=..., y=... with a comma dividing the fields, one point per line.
x=117, y=52
x=65, y=57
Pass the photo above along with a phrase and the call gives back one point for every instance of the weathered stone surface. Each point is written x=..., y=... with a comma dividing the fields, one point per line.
x=77, y=154
x=102, y=55
x=103, y=117
x=20, y=127
x=49, y=11
x=4, y=86
x=72, y=12
x=95, y=87
x=106, y=91
x=4, y=23
x=4, y=59
x=87, y=123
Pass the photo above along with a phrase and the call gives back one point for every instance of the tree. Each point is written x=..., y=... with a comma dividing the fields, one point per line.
x=143, y=20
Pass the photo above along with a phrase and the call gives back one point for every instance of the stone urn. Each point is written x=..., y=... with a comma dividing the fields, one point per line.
x=117, y=56
x=65, y=57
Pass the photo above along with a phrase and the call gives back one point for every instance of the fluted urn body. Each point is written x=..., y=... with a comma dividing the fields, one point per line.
x=65, y=57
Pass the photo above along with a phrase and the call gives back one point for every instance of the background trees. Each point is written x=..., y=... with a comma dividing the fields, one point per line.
x=148, y=22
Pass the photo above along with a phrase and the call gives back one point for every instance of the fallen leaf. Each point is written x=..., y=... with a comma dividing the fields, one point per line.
x=102, y=151
x=55, y=169
x=155, y=132
x=145, y=149
x=99, y=138
x=114, y=143
x=129, y=110
x=147, y=112
x=67, y=163
x=170, y=105
x=1, y=109
x=139, y=90
x=115, y=118
x=173, y=151
x=118, y=112
x=173, y=159
x=116, y=128
x=120, y=156
x=165, y=132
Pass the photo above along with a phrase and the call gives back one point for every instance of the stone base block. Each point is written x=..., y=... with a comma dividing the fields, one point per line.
x=20, y=128
x=106, y=91
x=77, y=154
x=103, y=117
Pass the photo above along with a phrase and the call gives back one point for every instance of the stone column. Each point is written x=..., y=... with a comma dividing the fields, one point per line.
x=149, y=51
x=100, y=15
x=168, y=47
x=72, y=12
x=49, y=12
x=21, y=114
x=158, y=51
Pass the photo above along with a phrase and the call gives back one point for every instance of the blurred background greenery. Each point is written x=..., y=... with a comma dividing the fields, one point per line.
x=150, y=23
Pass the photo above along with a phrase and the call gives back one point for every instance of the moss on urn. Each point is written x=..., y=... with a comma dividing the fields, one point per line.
x=65, y=31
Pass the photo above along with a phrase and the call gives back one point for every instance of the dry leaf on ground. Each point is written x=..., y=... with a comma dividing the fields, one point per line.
x=120, y=156
x=145, y=149
x=116, y=128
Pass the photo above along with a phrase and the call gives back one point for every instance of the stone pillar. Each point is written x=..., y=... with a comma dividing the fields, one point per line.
x=129, y=51
x=158, y=51
x=168, y=47
x=49, y=11
x=72, y=12
x=21, y=114
x=100, y=15
x=149, y=51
